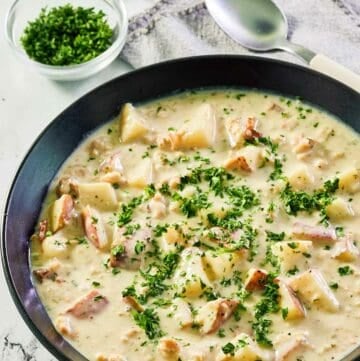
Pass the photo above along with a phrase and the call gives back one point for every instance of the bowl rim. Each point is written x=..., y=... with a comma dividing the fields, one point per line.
x=122, y=20
x=3, y=222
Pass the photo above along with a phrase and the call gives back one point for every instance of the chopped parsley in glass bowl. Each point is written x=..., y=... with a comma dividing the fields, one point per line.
x=66, y=40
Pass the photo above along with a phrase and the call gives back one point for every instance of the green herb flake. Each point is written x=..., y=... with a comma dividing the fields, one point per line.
x=66, y=35
x=345, y=271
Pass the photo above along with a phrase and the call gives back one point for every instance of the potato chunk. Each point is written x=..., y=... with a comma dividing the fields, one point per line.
x=345, y=250
x=339, y=209
x=290, y=302
x=293, y=254
x=245, y=349
x=94, y=227
x=199, y=131
x=182, y=313
x=99, y=195
x=61, y=212
x=313, y=233
x=214, y=314
x=132, y=125
x=314, y=290
x=55, y=246
x=256, y=279
x=301, y=178
x=218, y=266
x=349, y=181
x=190, y=277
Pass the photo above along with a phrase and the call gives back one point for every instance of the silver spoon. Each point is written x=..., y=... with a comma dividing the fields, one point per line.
x=260, y=25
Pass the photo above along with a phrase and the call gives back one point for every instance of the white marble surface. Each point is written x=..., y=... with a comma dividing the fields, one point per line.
x=28, y=102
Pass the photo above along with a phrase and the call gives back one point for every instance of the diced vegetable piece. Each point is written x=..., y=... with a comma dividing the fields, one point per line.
x=237, y=163
x=290, y=303
x=349, y=181
x=301, y=178
x=199, y=131
x=339, y=209
x=169, y=349
x=88, y=305
x=55, y=246
x=345, y=250
x=293, y=254
x=190, y=276
x=61, y=212
x=256, y=279
x=218, y=266
x=288, y=349
x=112, y=163
x=243, y=348
x=99, y=195
x=157, y=206
x=170, y=239
x=314, y=233
x=94, y=227
x=214, y=314
x=182, y=313
x=127, y=251
x=132, y=125
x=142, y=174
x=314, y=290
x=64, y=325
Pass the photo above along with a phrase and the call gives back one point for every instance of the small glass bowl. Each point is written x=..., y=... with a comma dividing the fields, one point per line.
x=23, y=11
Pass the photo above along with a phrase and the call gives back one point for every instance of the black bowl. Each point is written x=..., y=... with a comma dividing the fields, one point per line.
x=64, y=134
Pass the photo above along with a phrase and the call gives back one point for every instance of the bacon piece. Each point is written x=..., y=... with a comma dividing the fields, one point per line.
x=89, y=305
x=256, y=279
x=314, y=233
x=237, y=163
x=94, y=227
x=42, y=274
x=214, y=314
x=250, y=133
x=61, y=212
x=123, y=249
x=67, y=185
x=43, y=228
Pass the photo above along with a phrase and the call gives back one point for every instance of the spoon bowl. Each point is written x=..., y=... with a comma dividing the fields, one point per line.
x=258, y=25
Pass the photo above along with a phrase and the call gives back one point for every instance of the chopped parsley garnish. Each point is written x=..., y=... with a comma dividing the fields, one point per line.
x=139, y=247
x=117, y=250
x=345, y=271
x=277, y=237
x=149, y=321
x=66, y=35
x=298, y=201
x=125, y=214
x=95, y=284
x=269, y=303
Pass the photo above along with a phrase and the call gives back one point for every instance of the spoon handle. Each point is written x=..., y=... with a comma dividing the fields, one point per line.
x=329, y=67
x=322, y=64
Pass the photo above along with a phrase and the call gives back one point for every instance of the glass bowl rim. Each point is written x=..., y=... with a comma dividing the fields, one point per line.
x=121, y=19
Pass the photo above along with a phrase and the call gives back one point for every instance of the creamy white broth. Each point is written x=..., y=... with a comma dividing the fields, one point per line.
x=280, y=154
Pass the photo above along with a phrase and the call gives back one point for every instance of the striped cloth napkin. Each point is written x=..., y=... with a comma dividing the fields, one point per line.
x=173, y=29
